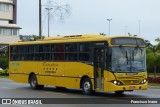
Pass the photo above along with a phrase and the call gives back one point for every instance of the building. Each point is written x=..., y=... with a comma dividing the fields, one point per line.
x=9, y=31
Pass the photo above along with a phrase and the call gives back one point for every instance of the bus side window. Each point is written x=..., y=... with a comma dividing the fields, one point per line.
x=84, y=52
x=59, y=52
x=46, y=48
x=13, y=51
x=71, y=51
x=53, y=48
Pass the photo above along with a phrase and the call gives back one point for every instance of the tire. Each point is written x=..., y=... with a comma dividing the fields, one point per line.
x=87, y=86
x=34, y=83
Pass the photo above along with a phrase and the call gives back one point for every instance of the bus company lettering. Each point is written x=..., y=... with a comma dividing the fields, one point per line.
x=49, y=64
x=16, y=64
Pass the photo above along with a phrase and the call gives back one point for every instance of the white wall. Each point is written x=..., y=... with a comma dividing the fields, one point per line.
x=6, y=15
x=8, y=39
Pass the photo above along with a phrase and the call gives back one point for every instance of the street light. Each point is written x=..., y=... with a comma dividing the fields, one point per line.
x=48, y=18
x=125, y=30
x=139, y=21
x=109, y=25
x=40, y=20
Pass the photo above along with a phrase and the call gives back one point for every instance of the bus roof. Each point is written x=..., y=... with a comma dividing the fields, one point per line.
x=71, y=38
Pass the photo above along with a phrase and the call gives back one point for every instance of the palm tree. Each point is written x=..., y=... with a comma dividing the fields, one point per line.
x=102, y=34
x=158, y=45
x=157, y=40
x=148, y=44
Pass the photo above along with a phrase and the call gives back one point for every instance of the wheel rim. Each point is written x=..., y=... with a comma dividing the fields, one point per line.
x=33, y=82
x=87, y=86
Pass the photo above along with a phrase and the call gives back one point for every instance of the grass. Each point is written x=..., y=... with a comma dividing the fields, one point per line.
x=154, y=84
x=4, y=77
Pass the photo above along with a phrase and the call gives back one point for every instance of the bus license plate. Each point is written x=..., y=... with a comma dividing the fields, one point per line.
x=131, y=87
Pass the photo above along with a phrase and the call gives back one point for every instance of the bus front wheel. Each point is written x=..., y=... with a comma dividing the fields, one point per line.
x=33, y=82
x=87, y=86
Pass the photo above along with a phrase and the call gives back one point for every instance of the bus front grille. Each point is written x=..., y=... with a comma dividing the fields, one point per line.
x=130, y=82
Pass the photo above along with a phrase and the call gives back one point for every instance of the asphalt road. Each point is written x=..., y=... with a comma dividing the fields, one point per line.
x=10, y=89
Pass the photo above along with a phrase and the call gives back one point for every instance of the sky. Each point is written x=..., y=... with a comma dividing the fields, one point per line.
x=90, y=17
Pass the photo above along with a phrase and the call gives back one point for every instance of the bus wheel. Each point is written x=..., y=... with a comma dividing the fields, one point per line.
x=87, y=86
x=33, y=82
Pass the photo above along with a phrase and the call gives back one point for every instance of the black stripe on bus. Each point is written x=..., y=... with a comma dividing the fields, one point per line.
x=49, y=75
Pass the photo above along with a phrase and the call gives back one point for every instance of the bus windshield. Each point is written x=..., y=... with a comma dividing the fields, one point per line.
x=128, y=59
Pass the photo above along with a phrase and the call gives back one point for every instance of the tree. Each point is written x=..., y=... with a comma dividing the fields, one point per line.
x=158, y=48
x=153, y=60
x=157, y=40
x=60, y=11
x=102, y=34
x=4, y=57
x=35, y=37
x=51, y=5
x=158, y=45
x=53, y=9
x=148, y=44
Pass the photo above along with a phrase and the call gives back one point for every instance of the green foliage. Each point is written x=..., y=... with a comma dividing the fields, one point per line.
x=158, y=48
x=158, y=45
x=4, y=61
x=152, y=58
x=4, y=73
x=102, y=34
x=37, y=38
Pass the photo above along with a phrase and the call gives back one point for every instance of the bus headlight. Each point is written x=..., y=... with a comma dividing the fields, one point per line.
x=117, y=82
x=143, y=81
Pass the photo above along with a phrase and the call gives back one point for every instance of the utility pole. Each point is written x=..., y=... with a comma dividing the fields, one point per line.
x=40, y=19
x=49, y=19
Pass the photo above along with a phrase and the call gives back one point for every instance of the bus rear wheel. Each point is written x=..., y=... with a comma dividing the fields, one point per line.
x=87, y=86
x=33, y=82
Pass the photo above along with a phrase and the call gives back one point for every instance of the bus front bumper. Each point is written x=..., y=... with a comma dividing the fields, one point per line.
x=112, y=87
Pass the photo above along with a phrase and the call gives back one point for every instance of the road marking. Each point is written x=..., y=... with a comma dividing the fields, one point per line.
x=55, y=93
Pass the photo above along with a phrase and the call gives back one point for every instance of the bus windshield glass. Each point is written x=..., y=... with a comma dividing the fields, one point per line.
x=128, y=59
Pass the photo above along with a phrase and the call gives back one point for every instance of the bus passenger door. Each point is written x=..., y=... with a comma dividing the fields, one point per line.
x=99, y=64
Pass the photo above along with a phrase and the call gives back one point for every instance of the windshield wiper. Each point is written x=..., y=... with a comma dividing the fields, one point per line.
x=138, y=48
x=124, y=53
x=127, y=57
x=122, y=50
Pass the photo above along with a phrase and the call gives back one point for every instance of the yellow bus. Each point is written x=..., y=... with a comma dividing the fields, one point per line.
x=87, y=62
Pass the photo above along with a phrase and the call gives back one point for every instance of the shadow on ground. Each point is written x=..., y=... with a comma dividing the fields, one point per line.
x=95, y=94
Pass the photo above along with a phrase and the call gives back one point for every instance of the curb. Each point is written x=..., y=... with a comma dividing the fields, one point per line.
x=154, y=87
